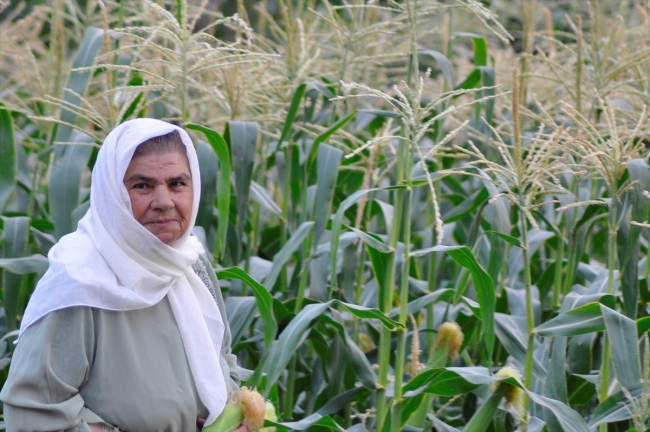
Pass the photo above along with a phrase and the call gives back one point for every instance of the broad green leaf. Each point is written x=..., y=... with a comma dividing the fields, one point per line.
x=483, y=284
x=223, y=184
x=466, y=207
x=624, y=345
x=379, y=264
x=263, y=297
x=555, y=386
x=584, y=319
x=441, y=382
x=322, y=89
x=43, y=241
x=515, y=341
x=360, y=364
x=337, y=221
x=310, y=421
x=8, y=159
x=444, y=63
x=368, y=313
x=510, y=239
x=620, y=406
x=329, y=159
x=500, y=222
x=64, y=185
x=16, y=235
x=259, y=194
x=240, y=312
x=643, y=325
x=293, y=111
x=473, y=80
x=209, y=169
x=315, y=147
x=570, y=420
x=444, y=294
x=283, y=349
x=516, y=258
x=284, y=255
x=77, y=83
x=25, y=265
x=371, y=240
x=629, y=234
x=452, y=381
x=488, y=80
x=242, y=140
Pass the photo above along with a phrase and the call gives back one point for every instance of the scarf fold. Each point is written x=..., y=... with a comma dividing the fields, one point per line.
x=112, y=262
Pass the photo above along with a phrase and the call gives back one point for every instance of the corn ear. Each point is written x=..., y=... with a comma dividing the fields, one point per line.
x=245, y=405
x=229, y=420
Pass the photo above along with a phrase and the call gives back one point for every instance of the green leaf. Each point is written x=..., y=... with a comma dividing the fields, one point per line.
x=452, y=381
x=209, y=168
x=623, y=341
x=16, y=235
x=284, y=255
x=371, y=240
x=629, y=235
x=515, y=341
x=64, y=185
x=259, y=194
x=77, y=83
x=488, y=79
x=315, y=147
x=293, y=111
x=555, y=386
x=240, y=312
x=473, y=80
x=337, y=222
x=8, y=158
x=584, y=319
x=284, y=348
x=306, y=423
x=620, y=406
x=368, y=313
x=444, y=63
x=329, y=159
x=570, y=420
x=263, y=297
x=467, y=206
x=223, y=184
x=480, y=47
x=25, y=265
x=444, y=382
x=483, y=284
x=242, y=138
x=444, y=294
x=510, y=239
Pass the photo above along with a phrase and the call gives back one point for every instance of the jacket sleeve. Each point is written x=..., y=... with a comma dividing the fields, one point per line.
x=228, y=359
x=51, y=362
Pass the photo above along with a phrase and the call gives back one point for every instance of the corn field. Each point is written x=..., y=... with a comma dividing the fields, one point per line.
x=424, y=215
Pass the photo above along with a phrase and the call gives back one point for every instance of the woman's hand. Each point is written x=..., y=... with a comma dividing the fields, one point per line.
x=95, y=427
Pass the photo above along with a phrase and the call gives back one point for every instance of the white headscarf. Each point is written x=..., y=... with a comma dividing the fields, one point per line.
x=112, y=262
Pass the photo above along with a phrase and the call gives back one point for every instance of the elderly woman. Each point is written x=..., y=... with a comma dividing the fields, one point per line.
x=127, y=328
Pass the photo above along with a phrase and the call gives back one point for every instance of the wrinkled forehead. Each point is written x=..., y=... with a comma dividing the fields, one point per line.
x=122, y=142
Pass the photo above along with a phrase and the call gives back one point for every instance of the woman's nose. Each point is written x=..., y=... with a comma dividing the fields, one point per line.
x=162, y=199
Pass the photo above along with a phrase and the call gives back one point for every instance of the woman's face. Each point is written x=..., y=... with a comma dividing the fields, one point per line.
x=160, y=188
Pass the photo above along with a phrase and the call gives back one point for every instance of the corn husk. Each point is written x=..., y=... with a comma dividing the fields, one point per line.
x=245, y=405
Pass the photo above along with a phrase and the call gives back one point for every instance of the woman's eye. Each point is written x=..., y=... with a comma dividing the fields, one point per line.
x=140, y=186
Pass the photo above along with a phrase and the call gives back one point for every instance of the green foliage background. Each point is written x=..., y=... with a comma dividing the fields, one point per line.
x=371, y=170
